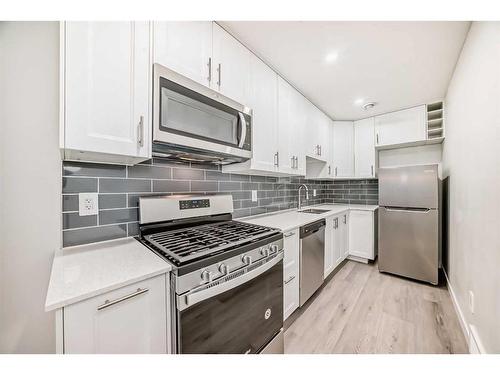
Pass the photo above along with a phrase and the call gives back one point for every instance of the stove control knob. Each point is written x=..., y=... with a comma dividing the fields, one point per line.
x=206, y=276
x=264, y=251
x=274, y=249
x=224, y=269
x=247, y=259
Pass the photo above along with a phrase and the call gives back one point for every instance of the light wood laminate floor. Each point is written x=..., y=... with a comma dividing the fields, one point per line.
x=363, y=311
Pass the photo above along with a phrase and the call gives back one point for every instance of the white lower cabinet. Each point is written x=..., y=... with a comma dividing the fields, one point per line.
x=131, y=319
x=290, y=272
x=362, y=234
x=344, y=234
x=330, y=246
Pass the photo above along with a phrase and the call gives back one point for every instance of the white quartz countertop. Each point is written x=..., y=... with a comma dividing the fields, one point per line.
x=85, y=271
x=291, y=219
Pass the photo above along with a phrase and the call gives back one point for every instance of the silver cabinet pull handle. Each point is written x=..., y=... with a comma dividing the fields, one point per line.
x=329, y=169
x=293, y=162
x=289, y=234
x=377, y=138
x=109, y=303
x=320, y=150
x=289, y=279
x=335, y=171
x=372, y=170
x=140, y=132
x=296, y=162
x=219, y=73
x=345, y=219
x=209, y=70
x=277, y=159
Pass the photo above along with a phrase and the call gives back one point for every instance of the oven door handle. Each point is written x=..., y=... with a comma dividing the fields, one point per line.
x=185, y=301
x=243, y=134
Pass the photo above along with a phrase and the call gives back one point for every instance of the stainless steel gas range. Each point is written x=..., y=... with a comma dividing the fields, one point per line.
x=227, y=283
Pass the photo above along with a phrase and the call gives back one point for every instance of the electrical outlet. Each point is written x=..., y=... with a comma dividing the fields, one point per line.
x=471, y=301
x=88, y=204
x=254, y=195
x=314, y=192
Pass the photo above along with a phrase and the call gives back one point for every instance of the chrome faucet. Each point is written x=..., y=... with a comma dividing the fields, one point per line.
x=307, y=194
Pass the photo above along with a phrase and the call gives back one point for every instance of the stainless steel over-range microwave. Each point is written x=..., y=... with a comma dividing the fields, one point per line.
x=195, y=123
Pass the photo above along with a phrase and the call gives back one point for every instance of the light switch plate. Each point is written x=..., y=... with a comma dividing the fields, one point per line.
x=88, y=204
x=254, y=195
x=314, y=192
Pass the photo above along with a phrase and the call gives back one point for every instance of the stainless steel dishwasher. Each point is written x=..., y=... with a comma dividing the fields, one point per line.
x=312, y=258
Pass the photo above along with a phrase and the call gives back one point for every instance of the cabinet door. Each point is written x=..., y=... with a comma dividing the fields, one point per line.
x=344, y=225
x=398, y=127
x=330, y=260
x=337, y=241
x=324, y=138
x=136, y=323
x=311, y=136
x=343, y=148
x=300, y=129
x=107, y=74
x=231, y=66
x=287, y=108
x=361, y=234
x=263, y=100
x=364, y=148
x=185, y=47
x=291, y=272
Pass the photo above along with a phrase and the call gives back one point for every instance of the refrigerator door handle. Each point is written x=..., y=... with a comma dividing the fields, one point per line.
x=398, y=209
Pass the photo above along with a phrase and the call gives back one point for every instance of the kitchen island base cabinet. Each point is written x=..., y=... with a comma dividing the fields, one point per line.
x=362, y=235
x=129, y=320
x=290, y=272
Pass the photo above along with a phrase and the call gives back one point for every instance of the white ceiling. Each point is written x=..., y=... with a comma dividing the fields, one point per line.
x=396, y=64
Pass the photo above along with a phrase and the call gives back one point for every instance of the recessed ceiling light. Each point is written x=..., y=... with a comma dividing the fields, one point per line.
x=331, y=57
x=369, y=105
x=359, y=101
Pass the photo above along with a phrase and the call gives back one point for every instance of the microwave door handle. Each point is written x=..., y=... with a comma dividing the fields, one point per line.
x=183, y=302
x=243, y=128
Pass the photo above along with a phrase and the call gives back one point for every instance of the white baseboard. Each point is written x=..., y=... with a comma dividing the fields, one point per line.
x=357, y=259
x=470, y=332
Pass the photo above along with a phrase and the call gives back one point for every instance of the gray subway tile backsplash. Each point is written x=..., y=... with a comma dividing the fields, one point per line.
x=124, y=215
x=95, y=234
x=120, y=187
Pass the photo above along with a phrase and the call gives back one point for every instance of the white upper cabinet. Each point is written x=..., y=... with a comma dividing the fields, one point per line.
x=343, y=149
x=185, y=47
x=399, y=127
x=263, y=100
x=316, y=133
x=106, y=88
x=364, y=148
x=291, y=122
x=230, y=66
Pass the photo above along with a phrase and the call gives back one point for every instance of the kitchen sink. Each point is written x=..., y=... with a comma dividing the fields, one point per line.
x=314, y=211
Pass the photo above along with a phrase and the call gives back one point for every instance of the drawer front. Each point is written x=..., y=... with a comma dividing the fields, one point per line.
x=290, y=272
x=131, y=319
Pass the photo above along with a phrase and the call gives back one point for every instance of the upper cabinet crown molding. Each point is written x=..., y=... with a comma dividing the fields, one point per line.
x=106, y=91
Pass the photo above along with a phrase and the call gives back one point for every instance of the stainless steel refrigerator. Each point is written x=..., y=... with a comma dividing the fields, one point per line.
x=409, y=238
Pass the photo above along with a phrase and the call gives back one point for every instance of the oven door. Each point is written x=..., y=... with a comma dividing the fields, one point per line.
x=240, y=315
x=191, y=117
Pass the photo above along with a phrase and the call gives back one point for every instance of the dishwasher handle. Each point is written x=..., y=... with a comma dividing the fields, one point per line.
x=309, y=229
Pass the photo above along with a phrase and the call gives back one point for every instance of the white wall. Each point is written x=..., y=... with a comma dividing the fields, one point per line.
x=30, y=182
x=471, y=159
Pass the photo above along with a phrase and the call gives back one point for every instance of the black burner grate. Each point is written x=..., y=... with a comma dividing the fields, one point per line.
x=187, y=244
